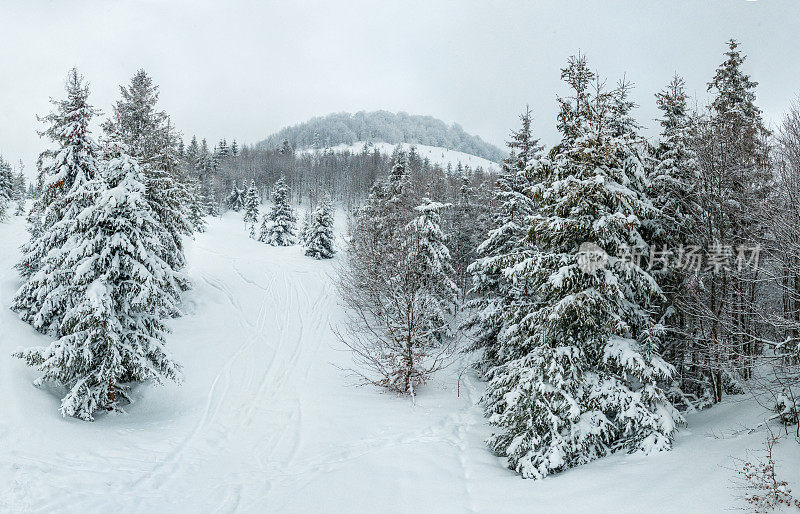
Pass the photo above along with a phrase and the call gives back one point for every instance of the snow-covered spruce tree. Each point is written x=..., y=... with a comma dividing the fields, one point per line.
x=468, y=222
x=111, y=334
x=66, y=174
x=151, y=139
x=251, y=203
x=398, y=292
x=305, y=230
x=281, y=218
x=673, y=187
x=584, y=378
x=235, y=199
x=319, y=236
x=506, y=239
x=7, y=192
x=733, y=157
x=197, y=208
x=428, y=248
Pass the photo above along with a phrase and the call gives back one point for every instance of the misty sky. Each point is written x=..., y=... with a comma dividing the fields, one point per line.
x=245, y=69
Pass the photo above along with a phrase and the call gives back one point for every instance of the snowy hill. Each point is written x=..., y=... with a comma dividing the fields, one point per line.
x=382, y=126
x=266, y=422
x=435, y=154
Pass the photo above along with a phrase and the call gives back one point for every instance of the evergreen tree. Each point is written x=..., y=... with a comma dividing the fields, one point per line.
x=306, y=230
x=7, y=182
x=19, y=183
x=192, y=152
x=467, y=229
x=674, y=187
x=148, y=135
x=282, y=218
x=66, y=180
x=251, y=202
x=222, y=150
x=235, y=199
x=318, y=238
x=582, y=370
x=432, y=261
x=111, y=334
x=736, y=177
x=505, y=241
x=197, y=208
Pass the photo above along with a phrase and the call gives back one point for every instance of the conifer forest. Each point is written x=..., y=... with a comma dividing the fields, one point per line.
x=255, y=257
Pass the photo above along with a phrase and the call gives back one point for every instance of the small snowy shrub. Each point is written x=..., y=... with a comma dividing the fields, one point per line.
x=764, y=491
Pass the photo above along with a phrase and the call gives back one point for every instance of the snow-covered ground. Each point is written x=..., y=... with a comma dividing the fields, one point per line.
x=266, y=422
x=436, y=154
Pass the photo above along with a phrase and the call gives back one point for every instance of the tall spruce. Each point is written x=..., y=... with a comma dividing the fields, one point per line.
x=282, y=220
x=318, y=238
x=151, y=139
x=109, y=268
x=67, y=174
x=583, y=370
x=251, y=203
x=8, y=191
x=734, y=165
x=674, y=189
x=492, y=289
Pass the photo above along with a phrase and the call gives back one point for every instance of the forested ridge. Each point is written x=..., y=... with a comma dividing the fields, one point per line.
x=345, y=128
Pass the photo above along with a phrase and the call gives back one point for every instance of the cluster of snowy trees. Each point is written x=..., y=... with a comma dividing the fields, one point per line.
x=278, y=225
x=343, y=177
x=103, y=268
x=12, y=189
x=611, y=282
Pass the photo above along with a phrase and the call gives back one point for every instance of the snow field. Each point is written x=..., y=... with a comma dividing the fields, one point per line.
x=266, y=421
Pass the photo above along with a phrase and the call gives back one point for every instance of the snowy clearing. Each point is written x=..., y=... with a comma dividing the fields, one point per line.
x=266, y=422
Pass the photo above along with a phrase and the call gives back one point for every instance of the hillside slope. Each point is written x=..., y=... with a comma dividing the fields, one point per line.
x=435, y=154
x=382, y=126
x=266, y=422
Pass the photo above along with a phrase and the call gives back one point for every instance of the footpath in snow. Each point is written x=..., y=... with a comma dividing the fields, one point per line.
x=265, y=420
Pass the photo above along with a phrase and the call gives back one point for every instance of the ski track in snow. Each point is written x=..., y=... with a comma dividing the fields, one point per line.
x=264, y=421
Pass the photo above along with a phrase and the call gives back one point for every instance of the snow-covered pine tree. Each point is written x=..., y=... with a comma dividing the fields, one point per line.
x=66, y=175
x=7, y=192
x=492, y=289
x=19, y=182
x=432, y=262
x=318, y=238
x=305, y=231
x=235, y=199
x=197, y=208
x=251, y=203
x=282, y=218
x=733, y=158
x=151, y=139
x=674, y=187
x=112, y=334
x=584, y=370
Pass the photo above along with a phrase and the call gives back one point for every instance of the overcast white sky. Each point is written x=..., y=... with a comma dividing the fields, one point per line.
x=243, y=70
